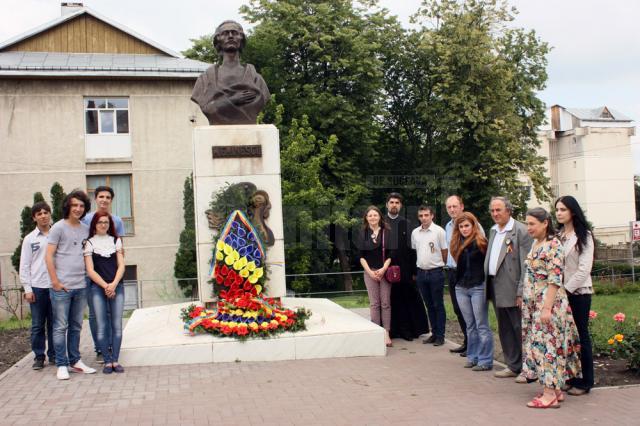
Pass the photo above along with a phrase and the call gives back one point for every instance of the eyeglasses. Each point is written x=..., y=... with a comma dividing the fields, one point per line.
x=102, y=222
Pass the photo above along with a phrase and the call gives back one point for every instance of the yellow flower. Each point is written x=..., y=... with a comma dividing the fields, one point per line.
x=258, y=289
x=251, y=266
x=619, y=337
x=253, y=279
x=237, y=265
x=244, y=273
x=228, y=260
x=220, y=245
x=610, y=341
x=228, y=249
x=239, y=312
x=219, y=255
x=253, y=325
x=259, y=272
x=215, y=321
x=235, y=255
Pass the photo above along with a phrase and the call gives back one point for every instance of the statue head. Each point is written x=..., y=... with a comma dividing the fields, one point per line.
x=225, y=28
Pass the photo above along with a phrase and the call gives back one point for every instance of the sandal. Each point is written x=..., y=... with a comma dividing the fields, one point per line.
x=559, y=396
x=537, y=403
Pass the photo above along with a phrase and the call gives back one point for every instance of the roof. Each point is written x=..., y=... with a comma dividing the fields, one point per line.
x=82, y=11
x=602, y=113
x=98, y=64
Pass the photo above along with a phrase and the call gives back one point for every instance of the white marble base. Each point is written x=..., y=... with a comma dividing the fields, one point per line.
x=155, y=336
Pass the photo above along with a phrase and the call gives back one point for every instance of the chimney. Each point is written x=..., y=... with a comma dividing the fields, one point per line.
x=70, y=7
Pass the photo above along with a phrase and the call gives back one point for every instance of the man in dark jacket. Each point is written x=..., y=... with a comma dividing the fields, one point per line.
x=408, y=314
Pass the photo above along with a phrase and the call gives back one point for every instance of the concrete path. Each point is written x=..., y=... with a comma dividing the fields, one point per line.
x=414, y=384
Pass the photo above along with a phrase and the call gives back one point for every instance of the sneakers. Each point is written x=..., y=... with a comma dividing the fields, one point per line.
x=505, y=373
x=470, y=364
x=482, y=368
x=439, y=341
x=80, y=367
x=521, y=379
x=99, y=358
x=38, y=364
x=63, y=373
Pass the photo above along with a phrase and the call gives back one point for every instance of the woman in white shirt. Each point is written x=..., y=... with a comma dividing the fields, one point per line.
x=104, y=261
x=578, y=247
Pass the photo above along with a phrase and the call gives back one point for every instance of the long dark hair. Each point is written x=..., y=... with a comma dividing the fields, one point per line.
x=94, y=223
x=580, y=225
x=541, y=215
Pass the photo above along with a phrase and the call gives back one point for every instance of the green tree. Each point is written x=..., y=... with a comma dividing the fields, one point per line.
x=185, y=267
x=26, y=225
x=465, y=109
x=57, y=197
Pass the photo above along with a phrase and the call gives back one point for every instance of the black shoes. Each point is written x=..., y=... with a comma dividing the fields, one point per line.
x=460, y=349
x=431, y=339
x=463, y=354
x=439, y=341
x=406, y=336
x=38, y=364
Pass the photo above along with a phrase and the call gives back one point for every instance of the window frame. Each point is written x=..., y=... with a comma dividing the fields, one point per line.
x=114, y=111
x=125, y=219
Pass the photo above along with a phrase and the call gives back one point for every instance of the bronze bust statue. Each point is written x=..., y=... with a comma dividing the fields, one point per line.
x=230, y=93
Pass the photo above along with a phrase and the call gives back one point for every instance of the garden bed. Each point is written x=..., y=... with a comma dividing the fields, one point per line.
x=14, y=345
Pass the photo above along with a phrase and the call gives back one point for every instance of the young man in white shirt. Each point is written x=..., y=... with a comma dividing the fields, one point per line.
x=36, y=283
x=430, y=243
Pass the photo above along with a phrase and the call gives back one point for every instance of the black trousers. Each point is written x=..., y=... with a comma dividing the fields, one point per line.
x=408, y=314
x=451, y=281
x=580, y=306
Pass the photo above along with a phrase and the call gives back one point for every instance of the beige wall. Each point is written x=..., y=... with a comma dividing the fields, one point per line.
x=42, y=141
x=595, y=166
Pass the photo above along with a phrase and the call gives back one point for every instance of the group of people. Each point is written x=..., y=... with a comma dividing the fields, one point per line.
x=537, y=278
x=78, y=261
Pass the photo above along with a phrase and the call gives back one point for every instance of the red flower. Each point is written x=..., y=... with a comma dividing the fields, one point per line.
x=226, y=330
x=247, y=286
x=219, y=278
x=224, y=271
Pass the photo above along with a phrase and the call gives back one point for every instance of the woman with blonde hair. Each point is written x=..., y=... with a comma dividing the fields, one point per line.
x=468, y=248
x=375, y=259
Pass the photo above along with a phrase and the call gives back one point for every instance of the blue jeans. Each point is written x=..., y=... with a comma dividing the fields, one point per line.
x=431, y=286
x=68, y=313
x=92, y=318
x=108, y=321
x=41, y=317
x=475, y=310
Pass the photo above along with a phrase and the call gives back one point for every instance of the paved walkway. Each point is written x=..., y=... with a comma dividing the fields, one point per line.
x=414, y=384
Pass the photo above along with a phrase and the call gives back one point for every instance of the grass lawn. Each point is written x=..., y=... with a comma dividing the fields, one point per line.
x=603, y=327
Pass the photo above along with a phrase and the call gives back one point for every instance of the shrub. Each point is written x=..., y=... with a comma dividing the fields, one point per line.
x=625, y=344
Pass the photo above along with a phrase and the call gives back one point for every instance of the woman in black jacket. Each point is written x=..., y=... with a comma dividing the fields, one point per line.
x=468, y=248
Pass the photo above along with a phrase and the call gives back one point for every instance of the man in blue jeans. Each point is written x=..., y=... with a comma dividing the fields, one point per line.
x=430, y=243
x=103, y=198
x=65, y=264
x=36, y=283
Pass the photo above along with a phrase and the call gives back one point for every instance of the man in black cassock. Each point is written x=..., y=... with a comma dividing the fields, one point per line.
x=408, y=314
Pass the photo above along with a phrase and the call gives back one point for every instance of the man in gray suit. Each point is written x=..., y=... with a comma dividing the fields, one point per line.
x=509, y=245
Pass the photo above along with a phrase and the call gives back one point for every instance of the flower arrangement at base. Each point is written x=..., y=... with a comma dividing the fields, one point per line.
x=238, y=275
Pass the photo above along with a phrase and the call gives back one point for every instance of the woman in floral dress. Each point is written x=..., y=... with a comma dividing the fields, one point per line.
x=550, y=337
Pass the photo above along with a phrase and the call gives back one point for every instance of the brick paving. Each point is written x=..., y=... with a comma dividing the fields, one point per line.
x=414, y=384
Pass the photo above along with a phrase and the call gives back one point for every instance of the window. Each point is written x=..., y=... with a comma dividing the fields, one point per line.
x=106, y=115
x=121, y=205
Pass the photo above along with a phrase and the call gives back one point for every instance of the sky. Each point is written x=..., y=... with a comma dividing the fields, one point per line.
x=594, y=61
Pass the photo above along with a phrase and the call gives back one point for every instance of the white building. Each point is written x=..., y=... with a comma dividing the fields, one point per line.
x=86, y=101
x=588, y=155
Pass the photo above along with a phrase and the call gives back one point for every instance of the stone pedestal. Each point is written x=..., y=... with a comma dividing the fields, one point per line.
x=155, y=336
x=212, y=174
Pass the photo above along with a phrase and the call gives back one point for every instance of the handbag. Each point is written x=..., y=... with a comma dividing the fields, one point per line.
x=393, y=271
